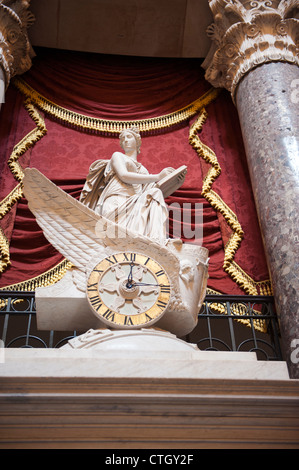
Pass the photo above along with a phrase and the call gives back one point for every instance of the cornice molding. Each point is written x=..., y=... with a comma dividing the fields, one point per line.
x=246, y=34
x=15, y=49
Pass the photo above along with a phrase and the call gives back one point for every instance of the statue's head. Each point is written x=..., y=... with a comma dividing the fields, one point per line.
x=136, y=134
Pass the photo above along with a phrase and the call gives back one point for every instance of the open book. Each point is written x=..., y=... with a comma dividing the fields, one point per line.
x=170, y=183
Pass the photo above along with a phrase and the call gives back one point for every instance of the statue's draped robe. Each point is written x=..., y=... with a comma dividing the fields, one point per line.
x=139, y=207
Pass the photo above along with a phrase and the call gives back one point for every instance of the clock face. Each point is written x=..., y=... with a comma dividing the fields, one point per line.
x=128, y=290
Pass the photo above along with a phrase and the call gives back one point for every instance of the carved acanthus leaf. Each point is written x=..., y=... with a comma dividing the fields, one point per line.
x=247, y=33
x=15, y=49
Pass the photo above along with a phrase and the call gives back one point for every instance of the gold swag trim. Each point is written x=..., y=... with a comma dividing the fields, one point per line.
x=17, y=193
x=230, y=266
x=107, y=126
x=48, y=278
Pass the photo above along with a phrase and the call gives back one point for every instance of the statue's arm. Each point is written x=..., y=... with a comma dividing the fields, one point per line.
x=119, y=166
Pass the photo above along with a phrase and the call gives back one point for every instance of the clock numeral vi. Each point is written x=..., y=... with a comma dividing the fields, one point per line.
x=128, y=321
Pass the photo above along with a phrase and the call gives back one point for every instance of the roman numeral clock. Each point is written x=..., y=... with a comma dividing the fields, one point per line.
x=128, y=290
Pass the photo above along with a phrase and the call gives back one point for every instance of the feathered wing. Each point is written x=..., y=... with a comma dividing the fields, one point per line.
x=67, y=224
x=81, y=235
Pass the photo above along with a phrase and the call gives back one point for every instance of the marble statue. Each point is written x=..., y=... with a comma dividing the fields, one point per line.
x=122, y=190
x=126, y=274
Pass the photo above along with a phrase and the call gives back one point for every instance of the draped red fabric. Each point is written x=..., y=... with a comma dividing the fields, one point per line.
x=128, y=88
x=116, y=87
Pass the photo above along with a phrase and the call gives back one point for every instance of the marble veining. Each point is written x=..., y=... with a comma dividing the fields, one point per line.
x=269, y=119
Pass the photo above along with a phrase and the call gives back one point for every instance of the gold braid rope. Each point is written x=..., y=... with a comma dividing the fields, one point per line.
x=55, y=274
x=16, y=194
x=229, y=265
x=52, y=275
x=48, y=278
x=104, y=126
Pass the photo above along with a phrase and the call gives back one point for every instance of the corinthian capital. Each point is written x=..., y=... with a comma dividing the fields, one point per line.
x=15, y=49
x=249, y=33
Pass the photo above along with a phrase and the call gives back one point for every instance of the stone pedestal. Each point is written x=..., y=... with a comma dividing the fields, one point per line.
x=146, y=353
x=144, y=389
x=270, y=125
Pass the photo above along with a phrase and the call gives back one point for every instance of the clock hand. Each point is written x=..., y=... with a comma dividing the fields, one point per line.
x=130, y=276
x=147, y=284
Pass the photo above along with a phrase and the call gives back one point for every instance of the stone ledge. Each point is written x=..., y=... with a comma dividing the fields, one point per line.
x=116, y=363
x=138, y=413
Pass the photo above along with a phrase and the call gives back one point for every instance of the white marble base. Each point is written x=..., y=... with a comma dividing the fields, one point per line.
x=63, y=307
x=150, y=354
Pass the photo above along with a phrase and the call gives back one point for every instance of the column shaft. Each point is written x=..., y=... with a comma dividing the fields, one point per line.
x=269, y=119
x=2, y=86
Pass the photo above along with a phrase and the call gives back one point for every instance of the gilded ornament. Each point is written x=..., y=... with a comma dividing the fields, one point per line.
x=16, y=50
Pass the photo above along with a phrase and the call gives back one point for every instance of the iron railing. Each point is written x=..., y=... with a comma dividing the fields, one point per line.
x=225, y=323
x=239, y=323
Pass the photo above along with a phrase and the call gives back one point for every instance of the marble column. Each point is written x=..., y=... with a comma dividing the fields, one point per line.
x=15, y=49
x=254, y=55
x=2, y=87
x=270, y=126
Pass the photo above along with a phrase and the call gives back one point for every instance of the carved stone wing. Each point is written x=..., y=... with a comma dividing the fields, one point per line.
x=67, y=224
x=81, y=235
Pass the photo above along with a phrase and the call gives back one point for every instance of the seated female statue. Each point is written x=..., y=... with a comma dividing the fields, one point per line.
x=122, y=190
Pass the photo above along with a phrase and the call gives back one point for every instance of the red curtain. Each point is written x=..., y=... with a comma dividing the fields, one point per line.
x=116, y=87
x=127, y=88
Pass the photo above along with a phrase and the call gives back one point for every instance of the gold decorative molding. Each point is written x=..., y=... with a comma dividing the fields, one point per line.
x=45, y=279
x=246, y=34
x=15, y=49
x=108, y=126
